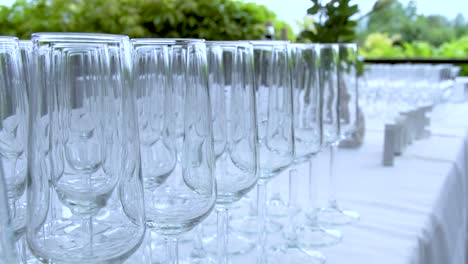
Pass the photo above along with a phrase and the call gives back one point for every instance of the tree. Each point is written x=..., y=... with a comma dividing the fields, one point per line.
x=333, y=22
x=387, y=16
x=209, y=19
x=460, y=25
x=396, y=19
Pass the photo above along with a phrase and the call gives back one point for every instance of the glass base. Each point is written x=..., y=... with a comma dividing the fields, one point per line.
x=294, y=255
x=277, y=207
x=315, y=236
x=197, y=260
x=333, y=216
x=249, y=225
x=237, y=244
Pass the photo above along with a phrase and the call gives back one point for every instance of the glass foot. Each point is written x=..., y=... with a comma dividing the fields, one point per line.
x=294, y=255
x=197, y=260
x=336, y=217
x=237, y=244
x=249, y=225
x=277, y=207
x=314, y=236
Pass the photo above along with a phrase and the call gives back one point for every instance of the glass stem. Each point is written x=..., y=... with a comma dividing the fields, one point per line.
x=21, y=248
x=290, y=231
x=198, y=251
x=312, y=212
x=89, y=221
x=223, y=229
x=89, y=226
x=172, y=250
x=332, y=178
x=148, y=250
x=262, y=225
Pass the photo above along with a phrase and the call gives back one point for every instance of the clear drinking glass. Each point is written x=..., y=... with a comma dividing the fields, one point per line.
x=341, y=122
x=186, y=196
x=308, y=141
x=275, y=122
x=234, y=129
x=85, y=195
x=13, y=131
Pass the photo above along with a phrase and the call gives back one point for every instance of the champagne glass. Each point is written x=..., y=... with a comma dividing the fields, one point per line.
x=157, y=143
x=234, y=130
x=274, y=121
x=84, y=151
x=13, y=134
x=186, y=196
x=315, y=71
x=308, y=139
x=341, y=125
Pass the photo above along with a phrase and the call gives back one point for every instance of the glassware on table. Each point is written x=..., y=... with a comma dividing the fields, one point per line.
x=155, y=113
x=14, y=135
x=232, y=90
x=340, y=122
x=85, y=195
x=290, y=250
x=308, y=104
x=186, y=196
x=275, y=122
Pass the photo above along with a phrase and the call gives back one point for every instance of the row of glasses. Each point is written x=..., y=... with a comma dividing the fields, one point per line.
x=152, y=117
x=391, y=89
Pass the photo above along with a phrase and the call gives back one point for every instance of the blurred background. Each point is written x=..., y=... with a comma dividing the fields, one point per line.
x=384, y=29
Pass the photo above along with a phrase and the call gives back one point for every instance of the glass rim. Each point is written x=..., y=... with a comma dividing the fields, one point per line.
x=304, y=45
x=348, y=44
x=76, y=37
x=8, y=39
x=269, y=43
x=157, y=41
x=230, y=43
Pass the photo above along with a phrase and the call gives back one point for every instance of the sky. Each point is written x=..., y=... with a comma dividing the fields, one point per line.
x=293, y=10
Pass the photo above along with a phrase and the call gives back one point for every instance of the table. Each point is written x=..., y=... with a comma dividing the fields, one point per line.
x=413, y=212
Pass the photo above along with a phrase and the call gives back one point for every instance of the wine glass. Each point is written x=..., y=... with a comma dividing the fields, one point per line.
x=232, y=90
x=320, y=61
x=186, y=196
x=13, y=134
x=308, y=139
x=274, y=105
x=341, y=123
x=157, y=143
x=84, y=151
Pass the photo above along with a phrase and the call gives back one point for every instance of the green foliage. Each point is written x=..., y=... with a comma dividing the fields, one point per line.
x=209, y=19
x=334, y=23
x=380, y=45
x=394, y=18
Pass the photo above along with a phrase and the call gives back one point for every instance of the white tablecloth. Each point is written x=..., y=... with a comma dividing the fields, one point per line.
x=413, y=212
